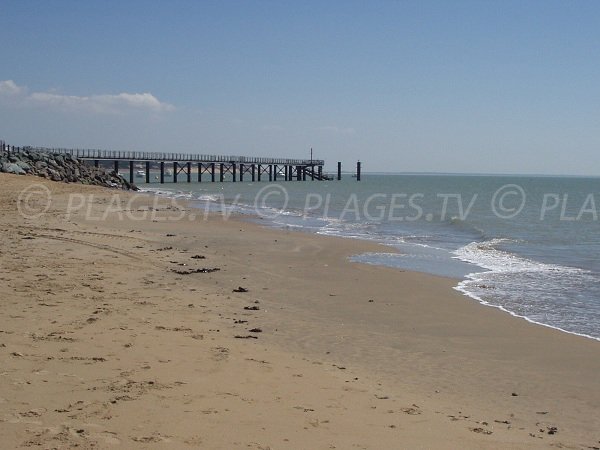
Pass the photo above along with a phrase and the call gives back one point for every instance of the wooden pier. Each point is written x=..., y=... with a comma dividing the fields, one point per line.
x=186, y=167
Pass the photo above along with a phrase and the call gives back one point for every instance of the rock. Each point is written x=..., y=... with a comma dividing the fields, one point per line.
x=12, y=168
x=60, y=167
x=23, y=165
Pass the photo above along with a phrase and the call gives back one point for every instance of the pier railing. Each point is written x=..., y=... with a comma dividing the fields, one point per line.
x=168, y=156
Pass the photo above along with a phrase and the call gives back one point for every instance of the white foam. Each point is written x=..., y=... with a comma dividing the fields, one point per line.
x=486, y=255
x=462, y=287
x=519, y=284
x=208, y=198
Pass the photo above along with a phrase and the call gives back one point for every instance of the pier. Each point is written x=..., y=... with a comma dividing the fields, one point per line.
x=184, y=167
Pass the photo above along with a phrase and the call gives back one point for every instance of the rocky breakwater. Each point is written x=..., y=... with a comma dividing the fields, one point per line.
x=60, y=167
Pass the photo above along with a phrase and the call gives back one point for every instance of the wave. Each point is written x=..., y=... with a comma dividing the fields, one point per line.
x=545, y=294
x=487, y=255
x=465, y=288
x=466, y=226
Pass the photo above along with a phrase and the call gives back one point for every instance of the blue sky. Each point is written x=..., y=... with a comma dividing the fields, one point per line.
x=438, y=86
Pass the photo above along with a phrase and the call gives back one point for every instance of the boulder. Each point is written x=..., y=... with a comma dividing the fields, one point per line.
x=12, y=168
x=23, y=165
x=60, y=167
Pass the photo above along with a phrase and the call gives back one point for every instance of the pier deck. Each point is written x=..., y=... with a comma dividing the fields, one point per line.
x=141, y=165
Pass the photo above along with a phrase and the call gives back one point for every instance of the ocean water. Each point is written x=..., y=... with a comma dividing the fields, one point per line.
x=527, y=245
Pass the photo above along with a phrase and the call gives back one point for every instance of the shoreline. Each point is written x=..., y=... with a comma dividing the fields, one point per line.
x=348, y=353
x=458, y=288
x=253, y=218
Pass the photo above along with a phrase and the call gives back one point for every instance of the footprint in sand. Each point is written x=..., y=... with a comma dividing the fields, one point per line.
x=480, y=430
x=219, y=353
x=413, y=410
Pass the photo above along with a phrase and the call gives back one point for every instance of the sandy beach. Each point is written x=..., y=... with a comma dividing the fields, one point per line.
x=116, y=332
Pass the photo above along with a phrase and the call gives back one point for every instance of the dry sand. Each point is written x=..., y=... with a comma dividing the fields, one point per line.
x=103, y=344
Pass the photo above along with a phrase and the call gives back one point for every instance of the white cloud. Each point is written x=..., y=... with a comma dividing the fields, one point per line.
x=104, y=103
x=337, y=130
x=141, y=101
x=9, y=87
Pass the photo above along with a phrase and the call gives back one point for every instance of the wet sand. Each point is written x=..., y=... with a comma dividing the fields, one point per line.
x=113, y=336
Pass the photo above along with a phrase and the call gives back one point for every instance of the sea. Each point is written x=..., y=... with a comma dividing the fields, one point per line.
x=528, y=245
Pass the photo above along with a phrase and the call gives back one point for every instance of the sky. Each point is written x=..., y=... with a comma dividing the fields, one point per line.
x=403, y=86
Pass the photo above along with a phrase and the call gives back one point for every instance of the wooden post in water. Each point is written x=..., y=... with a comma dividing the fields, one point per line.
x=189, y=172
x=270, y=172
x=320, y=172
x=131, y=172
x=275, y=170
x=259, y=172
x=339, y=177
x=212, y=172
x=233, y=171
x=253, y=167
x=116, y=166
x=162, y=172
x=221, y=174
x=147, y=171
x=96, y=163
x=358, y=171
x=174, y=171
x=199, y=172
x=241, y=172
